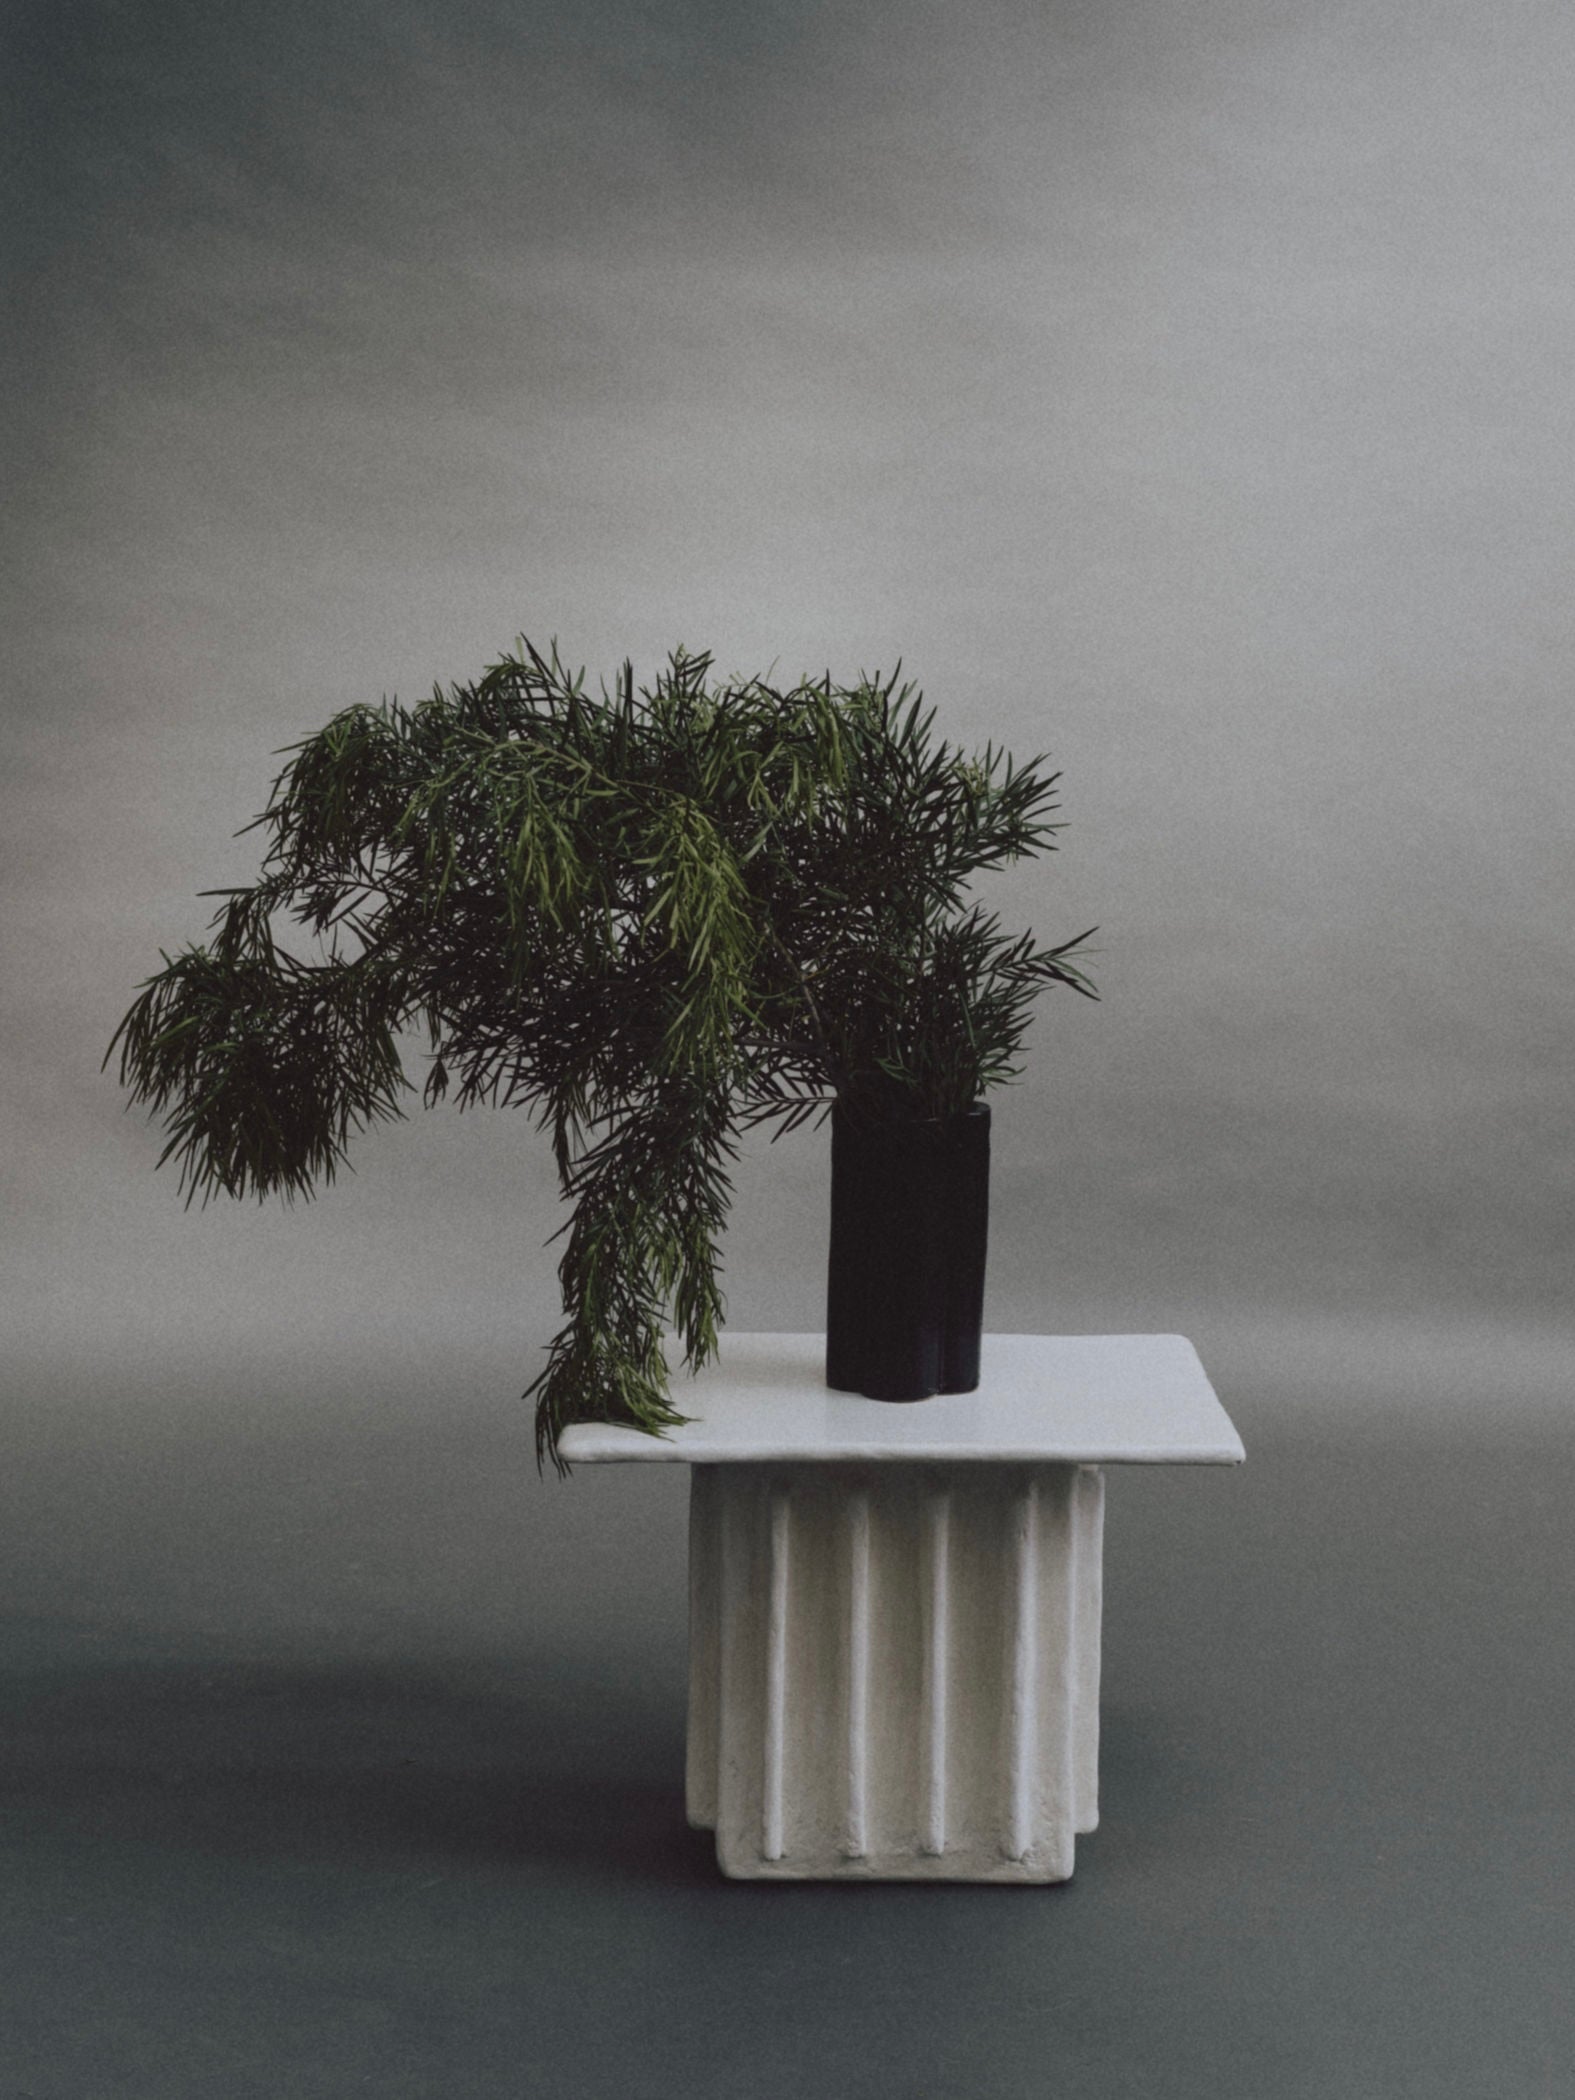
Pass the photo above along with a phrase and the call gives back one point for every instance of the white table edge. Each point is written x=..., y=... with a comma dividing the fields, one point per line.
x=1215, y=1443
x=579, y=1449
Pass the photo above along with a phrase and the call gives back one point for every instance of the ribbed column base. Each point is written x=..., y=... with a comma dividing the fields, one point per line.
x=894, y=1668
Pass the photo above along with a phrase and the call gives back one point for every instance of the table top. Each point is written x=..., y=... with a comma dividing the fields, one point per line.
x=1091, y=1399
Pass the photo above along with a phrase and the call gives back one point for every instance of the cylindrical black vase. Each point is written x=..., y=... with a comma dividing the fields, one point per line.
x=910, y=1205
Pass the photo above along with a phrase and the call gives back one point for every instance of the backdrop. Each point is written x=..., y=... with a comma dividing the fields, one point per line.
x=1183, y=390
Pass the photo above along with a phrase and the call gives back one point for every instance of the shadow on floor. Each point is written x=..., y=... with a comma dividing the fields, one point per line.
x=341, y=1763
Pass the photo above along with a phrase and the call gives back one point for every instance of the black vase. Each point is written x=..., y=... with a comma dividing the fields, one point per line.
x=910, y=1207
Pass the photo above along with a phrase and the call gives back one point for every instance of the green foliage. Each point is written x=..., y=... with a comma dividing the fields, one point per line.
x=653, y=917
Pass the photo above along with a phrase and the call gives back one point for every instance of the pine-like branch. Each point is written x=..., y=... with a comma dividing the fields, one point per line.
x=651, y=916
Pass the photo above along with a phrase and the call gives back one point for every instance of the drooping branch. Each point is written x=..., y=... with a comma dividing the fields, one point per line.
x=651, y=916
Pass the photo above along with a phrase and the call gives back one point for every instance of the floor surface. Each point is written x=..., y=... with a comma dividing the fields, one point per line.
x=341, y=1755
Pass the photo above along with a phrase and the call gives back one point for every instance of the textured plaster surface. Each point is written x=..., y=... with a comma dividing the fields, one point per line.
x=894, y=1669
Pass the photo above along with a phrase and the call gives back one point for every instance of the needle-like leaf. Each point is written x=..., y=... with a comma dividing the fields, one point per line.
x=655, y=917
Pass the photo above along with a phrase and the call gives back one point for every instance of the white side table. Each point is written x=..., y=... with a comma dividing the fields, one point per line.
x=894, y=1609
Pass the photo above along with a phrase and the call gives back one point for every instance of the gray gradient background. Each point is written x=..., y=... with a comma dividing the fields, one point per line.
x=1183, y=389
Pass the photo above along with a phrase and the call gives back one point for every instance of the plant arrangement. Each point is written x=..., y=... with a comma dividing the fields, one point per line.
x=651, y=917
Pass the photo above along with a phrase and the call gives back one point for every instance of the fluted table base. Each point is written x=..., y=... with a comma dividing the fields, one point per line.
x=894, y=1611
x=894, y=1669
